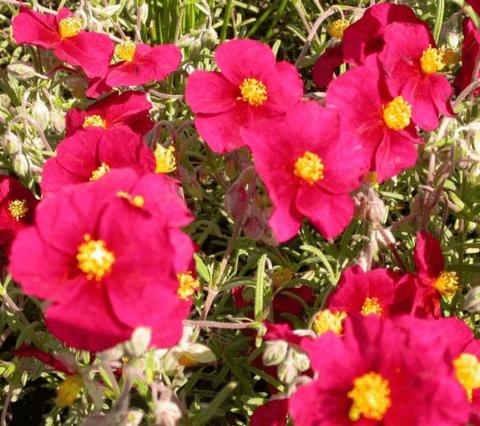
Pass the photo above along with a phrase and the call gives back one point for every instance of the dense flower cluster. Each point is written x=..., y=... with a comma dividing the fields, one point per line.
x=105, y=243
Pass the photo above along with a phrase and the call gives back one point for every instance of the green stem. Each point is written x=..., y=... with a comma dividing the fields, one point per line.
x=439, y=20
x=226, y=19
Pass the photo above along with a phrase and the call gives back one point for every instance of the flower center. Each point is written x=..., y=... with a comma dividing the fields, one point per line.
x=18, y=209
x=68, y=391
x=94, y=121
x=187, y=285
x=94, y=258
x=99, y=172
x=431, y=60
x=371, y=306
x=165, y=159
x=327, y=320
x=253, y=91
x=447, y=284
x=467, y=371
x=281, y=276
x=136, y=200
x=397, y=114
x=70, y=27
x=337, y=28
x=309, y=167
x=126, y=51
x=371, y=397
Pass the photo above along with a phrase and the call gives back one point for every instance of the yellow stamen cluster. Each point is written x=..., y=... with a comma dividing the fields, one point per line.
x=253, y=91
x=397, y=114
x=18, y=209
x=70, y=27
x=136, y=200
x=431, y=60
x=125, y=51
x=309, y=167
x=370, y=396
x=372, y=179
x=94, y=121
x=371, y=306
x=467, y=371
x=101, y=171
x=68, y=391
x=447, y=284
x=327, y=320
x=281, y=276
x=187, y=285
x=337, y=28
x=94, y=259
x=165, y=159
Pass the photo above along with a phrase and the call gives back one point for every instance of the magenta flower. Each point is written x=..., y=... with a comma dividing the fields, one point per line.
x=88, y=156
x=308, y=170
x=375, y=117
x=64, y=35
x=366, y=377
x=250, y=86
x=129, y=110
x=141, y=64
x=380, y=292
x=113, y=258
x=412, y=63
x=360, y=40
x=470, y=56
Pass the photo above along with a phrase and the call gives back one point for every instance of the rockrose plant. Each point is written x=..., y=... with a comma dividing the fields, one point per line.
x=260, y=213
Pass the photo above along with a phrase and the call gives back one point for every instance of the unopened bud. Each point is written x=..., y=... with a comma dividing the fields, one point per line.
x=139, y=342
x=41, y=114
x=20, y=165
x=112, y=354
x=11, y=143
x=58, y=120
x=275, y=352
x=143, y=13
x=209, y=37
x=472, y=300
x=133, y=418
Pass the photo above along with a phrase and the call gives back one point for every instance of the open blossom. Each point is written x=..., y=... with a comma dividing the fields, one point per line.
x=379, y=292
x=17, y=207
x=413, y=64
x=433, y=281
x=250, y=86
x=308, y=170
x=360, y=40
x=378, y=119
x=470, y=55
x=366, y=377
x=140, y=63
x=129, y=109
x=88, y=156
x=63, y=34
x=114, y=262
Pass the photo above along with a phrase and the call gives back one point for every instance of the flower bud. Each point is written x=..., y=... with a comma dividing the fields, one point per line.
x=139, y=342
x=195, y=353
x=287, y=371
x=21, y=165
x=11, y=143
x=236, y=202
x=58, y=120
x=20, y=71
x=40, y=113
x=209, y=37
